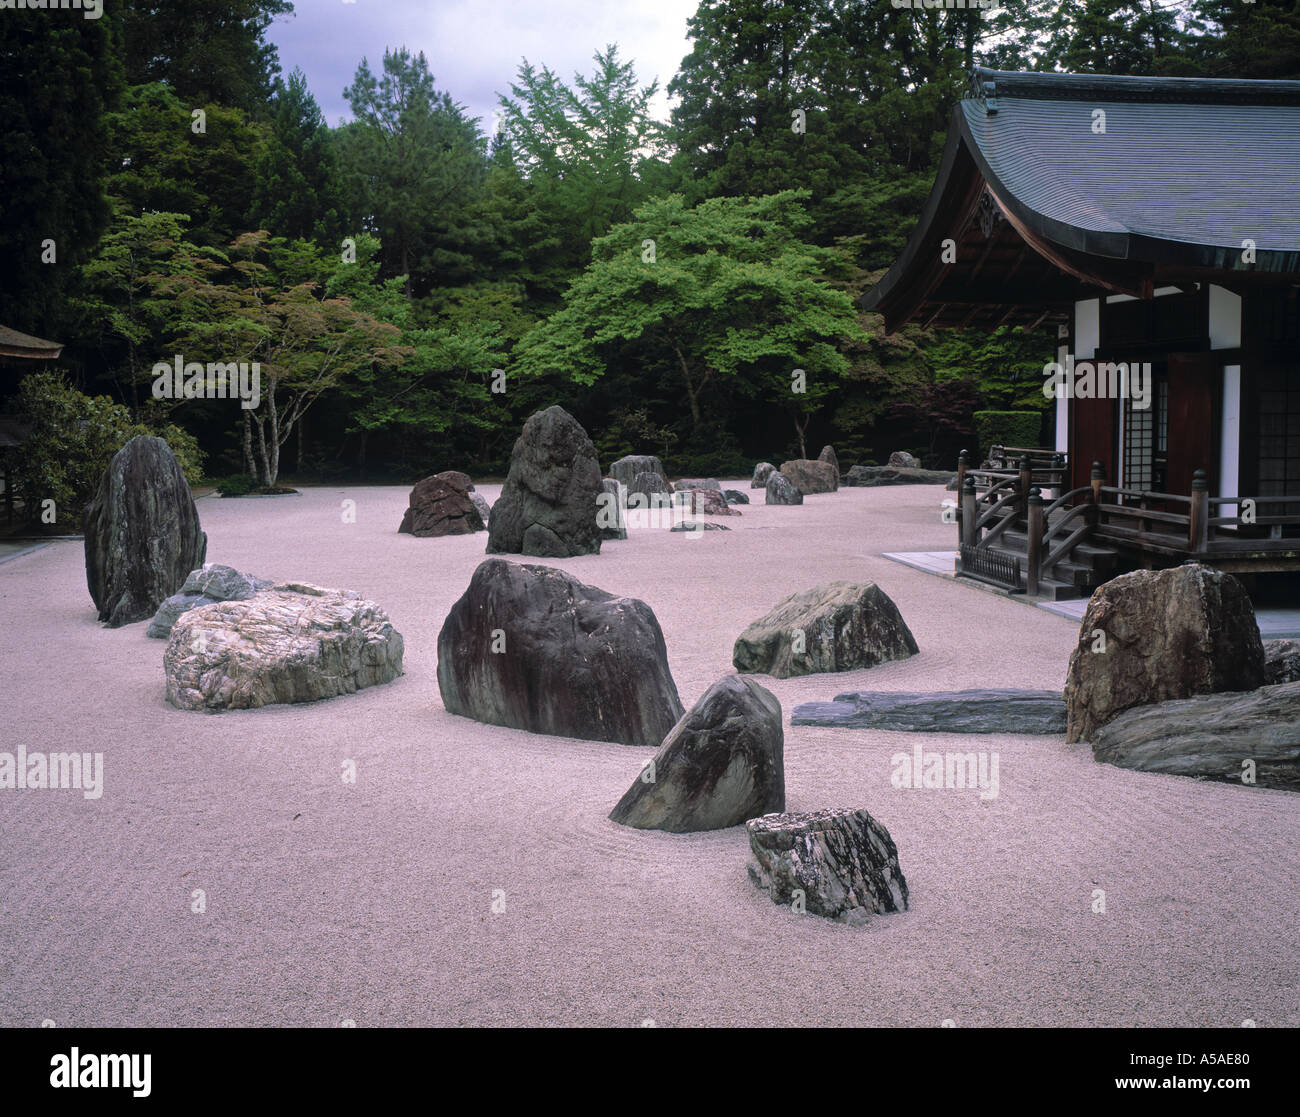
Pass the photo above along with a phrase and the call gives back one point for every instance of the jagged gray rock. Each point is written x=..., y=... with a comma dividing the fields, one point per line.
x=839, y=626
x=627, y=468
x=735, y=496
x=648, y=483
x=1211, y=737
x=294, y=642
x=781, y=490
x=810, y=477
x=142, y=533
x=762, y=472
x=206, y=586
x=1167, y=634
x=696, y=483
x=722, y=763
x=1281, y=661
x=960, y=711
x=484, y=511
x=533, y=648
x=842, y=862
x=548, y=504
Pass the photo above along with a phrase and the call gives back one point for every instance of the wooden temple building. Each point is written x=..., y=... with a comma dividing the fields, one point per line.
x=1155, y=224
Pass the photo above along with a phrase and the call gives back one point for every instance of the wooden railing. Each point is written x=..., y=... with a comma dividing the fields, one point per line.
x=1172, y=524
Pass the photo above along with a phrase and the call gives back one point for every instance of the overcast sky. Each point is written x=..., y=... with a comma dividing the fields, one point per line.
x=474, y=47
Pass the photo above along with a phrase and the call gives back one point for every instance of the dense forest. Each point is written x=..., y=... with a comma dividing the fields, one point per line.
x=413, y=286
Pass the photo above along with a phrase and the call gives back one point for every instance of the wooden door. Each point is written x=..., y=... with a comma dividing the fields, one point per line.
x=1193, y=438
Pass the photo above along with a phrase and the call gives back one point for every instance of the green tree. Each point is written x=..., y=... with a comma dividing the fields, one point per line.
x=723, y=292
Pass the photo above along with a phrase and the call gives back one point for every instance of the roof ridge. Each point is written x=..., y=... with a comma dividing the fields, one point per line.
x=987, y=84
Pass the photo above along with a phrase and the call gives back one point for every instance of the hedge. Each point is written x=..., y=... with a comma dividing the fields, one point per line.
x=1008, y=428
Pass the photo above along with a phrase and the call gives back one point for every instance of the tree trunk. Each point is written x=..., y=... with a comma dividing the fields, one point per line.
x=249, y=466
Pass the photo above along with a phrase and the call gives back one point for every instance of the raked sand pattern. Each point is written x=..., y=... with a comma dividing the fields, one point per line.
x=373, y=902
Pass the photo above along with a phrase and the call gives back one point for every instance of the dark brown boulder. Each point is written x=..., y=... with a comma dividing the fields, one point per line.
x=810, y=476
x=142, y=533
x=703, y=502
x=1155, y=635
x=533, y=648
x=442, y=505
x=550, y=500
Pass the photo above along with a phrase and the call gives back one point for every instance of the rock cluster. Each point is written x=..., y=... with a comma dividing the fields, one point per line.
x=142, y=533
x=205, y=586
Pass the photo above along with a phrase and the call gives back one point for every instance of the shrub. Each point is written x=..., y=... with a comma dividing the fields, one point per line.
x=239, y=485
x=73, y=438
x=1008, y=428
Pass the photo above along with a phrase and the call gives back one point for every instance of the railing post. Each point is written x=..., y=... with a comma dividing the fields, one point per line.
x=969, y=513
x=1097, y=476
x=1058, y=475
x=963, y=464
x=1026, y=479
x=1199, y=521
x=1035, y=531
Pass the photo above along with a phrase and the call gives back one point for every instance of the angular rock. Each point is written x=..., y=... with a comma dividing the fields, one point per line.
x=442, y=505
x=959, y=711
x=484, y=511
x=547, y=506
x=1168, y=634
x=703, y=502
x=648, y=483
x=627, y=468
x=532, y=648
x=611, y=517
x=696, y=483
x=142, y=533
x=1281, y=661
x=781, y=490
x=293, y=642
x=1211, y=737
x=206, y=586
x=810, y=476
x=735, y=496
x=903, y=459
x=828, y=456
x=869, y=476
x=843, y=861
x=722, y=763
x=762, y=472
x=839, y=626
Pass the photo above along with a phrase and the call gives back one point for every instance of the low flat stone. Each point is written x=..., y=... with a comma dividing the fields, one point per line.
x=868, y=476
x=698, y=525
x=904, y=459
x=696, y=483
x=1210, y=736
x=721, y=764
x=956, y=711
x=206, y=586
x=843, y=862
x=293, y=642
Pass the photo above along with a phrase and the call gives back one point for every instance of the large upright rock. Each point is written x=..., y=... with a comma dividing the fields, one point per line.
x=627, y=468
x=205, y=586
x=762, y=472
x=810, y=476
x=722, y=763
x=142, y=532
x=612, y=518
x=533, y=648
x=839, y=626
x=1167, y=634
x=442, y=505
x=781, y=490
x=842, y=863
x=829, y=456
x=1251, y=738
x=293, y=642
x=648, y=483
x=548, y=504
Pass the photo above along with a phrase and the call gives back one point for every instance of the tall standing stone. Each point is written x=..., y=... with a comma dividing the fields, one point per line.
x=142, y=533
x=549, y=502
x=829, y=456
x=1155, y=635
x=627, y=468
